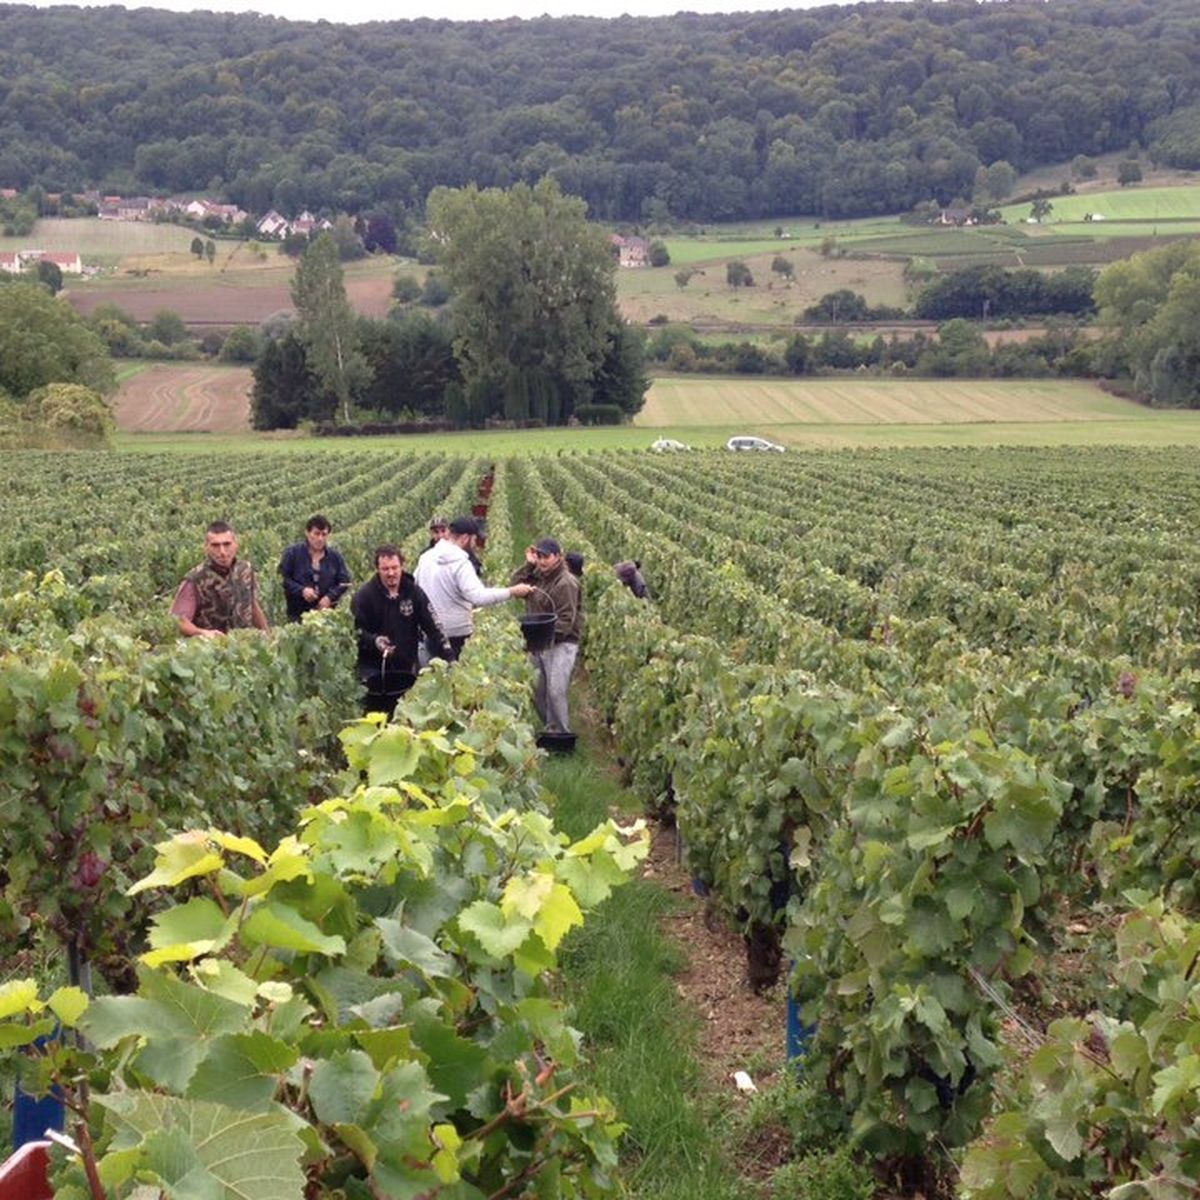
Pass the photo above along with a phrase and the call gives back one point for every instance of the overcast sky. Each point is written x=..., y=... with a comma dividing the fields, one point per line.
x=353, y=11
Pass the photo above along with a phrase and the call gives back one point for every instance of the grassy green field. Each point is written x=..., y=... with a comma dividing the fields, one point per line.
x=103, y=242
x=1177, y=203
x=648, y=292
x=127, y=369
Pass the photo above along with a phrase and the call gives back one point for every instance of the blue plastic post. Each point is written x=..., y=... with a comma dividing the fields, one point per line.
x=33, y=1115
x=798, y=1034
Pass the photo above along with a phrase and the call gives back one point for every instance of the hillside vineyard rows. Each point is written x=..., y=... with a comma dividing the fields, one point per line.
x=927, y=720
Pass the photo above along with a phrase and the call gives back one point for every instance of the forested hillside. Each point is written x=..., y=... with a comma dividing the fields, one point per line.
x=840, y=111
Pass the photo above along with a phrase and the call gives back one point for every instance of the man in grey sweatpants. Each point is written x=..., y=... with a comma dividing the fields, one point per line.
x=557, y=589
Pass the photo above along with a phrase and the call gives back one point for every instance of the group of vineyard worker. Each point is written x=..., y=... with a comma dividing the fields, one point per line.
x=403, y=620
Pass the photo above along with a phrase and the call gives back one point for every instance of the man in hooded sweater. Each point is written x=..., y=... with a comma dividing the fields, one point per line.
x=445, y=574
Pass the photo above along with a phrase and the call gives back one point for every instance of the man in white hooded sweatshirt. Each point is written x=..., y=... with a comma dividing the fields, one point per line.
x=446, y=575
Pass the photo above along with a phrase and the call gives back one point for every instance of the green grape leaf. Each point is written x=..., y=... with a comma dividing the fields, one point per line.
x=182, y=858
x=342, y=1087
x=198, y=920
x=255, y=1156
x=19, y=996
x=242, y=1071
x=406, y=946
x=68, y=1004
x=167, y=1008
x=394, y=754
x=280, y=926
x=456, y=1065
x=170, y=1157
x=499, y=937
x=1175, y=1082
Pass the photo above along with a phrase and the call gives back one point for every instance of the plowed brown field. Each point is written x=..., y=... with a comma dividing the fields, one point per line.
x=225, y=303
x=169, y=398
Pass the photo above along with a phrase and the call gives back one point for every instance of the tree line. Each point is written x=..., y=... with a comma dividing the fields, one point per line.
x=958, y=349
x=844, y=110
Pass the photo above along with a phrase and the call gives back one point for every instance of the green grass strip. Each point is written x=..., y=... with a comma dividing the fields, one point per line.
x=619, y=976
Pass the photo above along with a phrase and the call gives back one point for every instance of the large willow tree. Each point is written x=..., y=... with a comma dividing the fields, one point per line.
x=534, y=296
x=1152, y=303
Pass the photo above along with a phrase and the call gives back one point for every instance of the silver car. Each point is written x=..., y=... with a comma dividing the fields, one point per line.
x=751, y=443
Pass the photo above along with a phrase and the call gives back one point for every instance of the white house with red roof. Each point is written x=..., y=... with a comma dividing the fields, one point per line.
x=15, y=262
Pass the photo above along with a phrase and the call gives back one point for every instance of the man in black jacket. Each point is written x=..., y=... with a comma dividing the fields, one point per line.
x=390, y=612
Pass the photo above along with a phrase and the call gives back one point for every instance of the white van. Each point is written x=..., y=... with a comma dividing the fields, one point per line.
x=751, y=443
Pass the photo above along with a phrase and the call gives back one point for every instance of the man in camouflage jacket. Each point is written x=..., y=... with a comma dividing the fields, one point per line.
x=221, y=593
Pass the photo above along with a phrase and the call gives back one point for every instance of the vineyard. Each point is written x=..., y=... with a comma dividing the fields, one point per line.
x=926, y=720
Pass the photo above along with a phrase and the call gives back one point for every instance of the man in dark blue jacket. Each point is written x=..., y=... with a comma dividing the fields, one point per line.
x=314, y=573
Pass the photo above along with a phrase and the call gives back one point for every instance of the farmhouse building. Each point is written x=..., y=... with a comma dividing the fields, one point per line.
x=128, y=208
x=631, y=251
x=17, y=261
x=955, y=216
x=228, y=214
x=68, y=262
x=307, y=223
x=273, y=225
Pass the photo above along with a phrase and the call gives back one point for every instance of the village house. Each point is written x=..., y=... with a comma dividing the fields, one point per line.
x=272, y=225
x=307, y=223
x=631, y=251
x=15, y=262
x=227, y=214
x=955, y=216
x=128, y=208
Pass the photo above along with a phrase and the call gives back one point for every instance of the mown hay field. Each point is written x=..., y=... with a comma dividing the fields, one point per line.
x=185, y=398
x=691, y=401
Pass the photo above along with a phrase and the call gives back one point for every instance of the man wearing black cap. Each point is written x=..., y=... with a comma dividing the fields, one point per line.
x=445, y=574
x=557, y=590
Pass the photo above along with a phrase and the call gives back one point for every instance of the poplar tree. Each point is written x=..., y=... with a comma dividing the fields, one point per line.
x=326, y=322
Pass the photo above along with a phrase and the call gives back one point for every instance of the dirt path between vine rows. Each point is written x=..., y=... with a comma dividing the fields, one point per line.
x=736, y=1027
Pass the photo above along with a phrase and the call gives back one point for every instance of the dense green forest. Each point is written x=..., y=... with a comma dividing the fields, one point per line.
x=843, y=111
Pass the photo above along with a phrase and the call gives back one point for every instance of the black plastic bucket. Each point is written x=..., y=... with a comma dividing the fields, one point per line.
x=538, y=629
x=556, y=743
x=383, y=693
